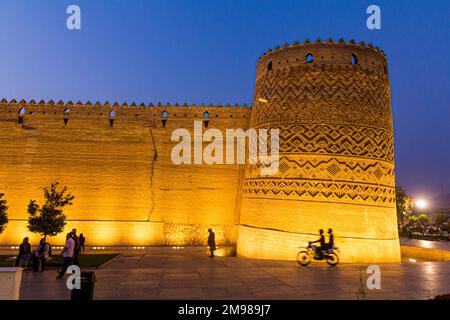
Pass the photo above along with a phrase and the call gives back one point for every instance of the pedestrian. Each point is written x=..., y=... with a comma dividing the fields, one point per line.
x=67, y=253
x=24, y=253
x=40, y=256
x=76, y=250
x=211, y=242
x=82, y=241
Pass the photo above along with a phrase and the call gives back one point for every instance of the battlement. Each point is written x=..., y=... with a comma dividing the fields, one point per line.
x=330, y=41
x=107, y=104
x=159, y=115
x=323, y=54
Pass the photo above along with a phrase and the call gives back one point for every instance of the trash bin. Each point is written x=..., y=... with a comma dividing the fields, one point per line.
x=87, y=287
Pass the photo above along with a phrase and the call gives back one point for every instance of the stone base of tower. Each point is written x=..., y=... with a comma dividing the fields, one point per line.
x=363, y=234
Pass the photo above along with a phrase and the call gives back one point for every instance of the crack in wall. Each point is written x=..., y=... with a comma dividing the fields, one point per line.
x=152, y=170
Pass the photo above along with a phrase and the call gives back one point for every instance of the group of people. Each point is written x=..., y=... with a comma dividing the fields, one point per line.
x=39, y=256
x=76, y=244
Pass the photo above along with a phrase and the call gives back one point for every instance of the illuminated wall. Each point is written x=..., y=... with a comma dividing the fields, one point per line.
x=128, y=191
x=331, y=102
x=336, y=166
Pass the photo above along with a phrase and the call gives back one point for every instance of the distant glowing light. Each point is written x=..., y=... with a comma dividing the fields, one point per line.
x=421, y=203
x=412, y=260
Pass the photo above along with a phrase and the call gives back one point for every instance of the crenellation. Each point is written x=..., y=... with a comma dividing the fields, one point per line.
x=337, y=44
x=71, y=116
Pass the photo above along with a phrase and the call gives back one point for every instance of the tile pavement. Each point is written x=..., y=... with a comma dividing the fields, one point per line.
x=164, y=273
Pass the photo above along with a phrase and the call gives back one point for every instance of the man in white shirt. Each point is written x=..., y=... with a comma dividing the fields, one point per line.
x=67, y=253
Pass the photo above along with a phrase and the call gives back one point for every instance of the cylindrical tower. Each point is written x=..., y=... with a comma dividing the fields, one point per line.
x=331, y=102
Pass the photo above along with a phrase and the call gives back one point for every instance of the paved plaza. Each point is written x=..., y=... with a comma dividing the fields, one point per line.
x=164, y=273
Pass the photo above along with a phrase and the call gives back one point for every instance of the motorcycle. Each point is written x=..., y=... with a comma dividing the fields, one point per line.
x=304, y=257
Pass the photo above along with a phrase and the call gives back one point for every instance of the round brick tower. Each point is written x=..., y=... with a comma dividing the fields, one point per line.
x=331, y=102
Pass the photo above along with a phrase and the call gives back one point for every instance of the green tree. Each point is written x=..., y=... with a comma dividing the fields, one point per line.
x=3, y=213
x=423, y=218
x=440, y=218
x=49, y=219
x=402, y=202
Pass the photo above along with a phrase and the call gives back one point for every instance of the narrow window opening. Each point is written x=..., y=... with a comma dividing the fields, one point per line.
x=269, y=66
x=66, y=116
x=112, y=116
x=354, y=59
x=309, y=58
x=206, y=117
x=21, y=115
x=164, y=115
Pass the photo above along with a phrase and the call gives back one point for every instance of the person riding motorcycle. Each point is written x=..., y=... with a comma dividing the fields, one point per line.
x=318, y=250
x=330, y=243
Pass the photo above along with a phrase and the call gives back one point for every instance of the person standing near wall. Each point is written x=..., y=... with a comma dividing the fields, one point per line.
x=76, y=250
x=211, y=242
x=82, y=240
x=67, y=253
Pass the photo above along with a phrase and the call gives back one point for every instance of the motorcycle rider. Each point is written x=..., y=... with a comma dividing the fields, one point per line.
x=318, y=250
x=330, y=243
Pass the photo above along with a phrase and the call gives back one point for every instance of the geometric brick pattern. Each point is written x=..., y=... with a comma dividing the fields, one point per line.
x=337, y=139
x=336, y=135
x=331, y=94
x=313, y=167
x=324, y=191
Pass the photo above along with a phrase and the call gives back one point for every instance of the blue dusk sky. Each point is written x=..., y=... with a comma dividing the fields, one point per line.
x=198, y=51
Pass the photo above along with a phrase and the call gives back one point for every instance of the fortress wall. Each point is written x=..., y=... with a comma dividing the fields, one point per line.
x=336, y=166
x=125, y=195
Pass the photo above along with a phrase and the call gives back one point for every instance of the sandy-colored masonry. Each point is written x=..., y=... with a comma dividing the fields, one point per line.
x=336, y=162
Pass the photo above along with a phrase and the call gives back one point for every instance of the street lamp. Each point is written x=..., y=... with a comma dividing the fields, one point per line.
x=421, y=204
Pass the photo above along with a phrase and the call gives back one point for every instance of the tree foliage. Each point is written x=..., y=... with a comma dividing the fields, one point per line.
x=49, y=219
x=441, y=218
x=401, y=198
x=423, y=218
x=3, y=213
